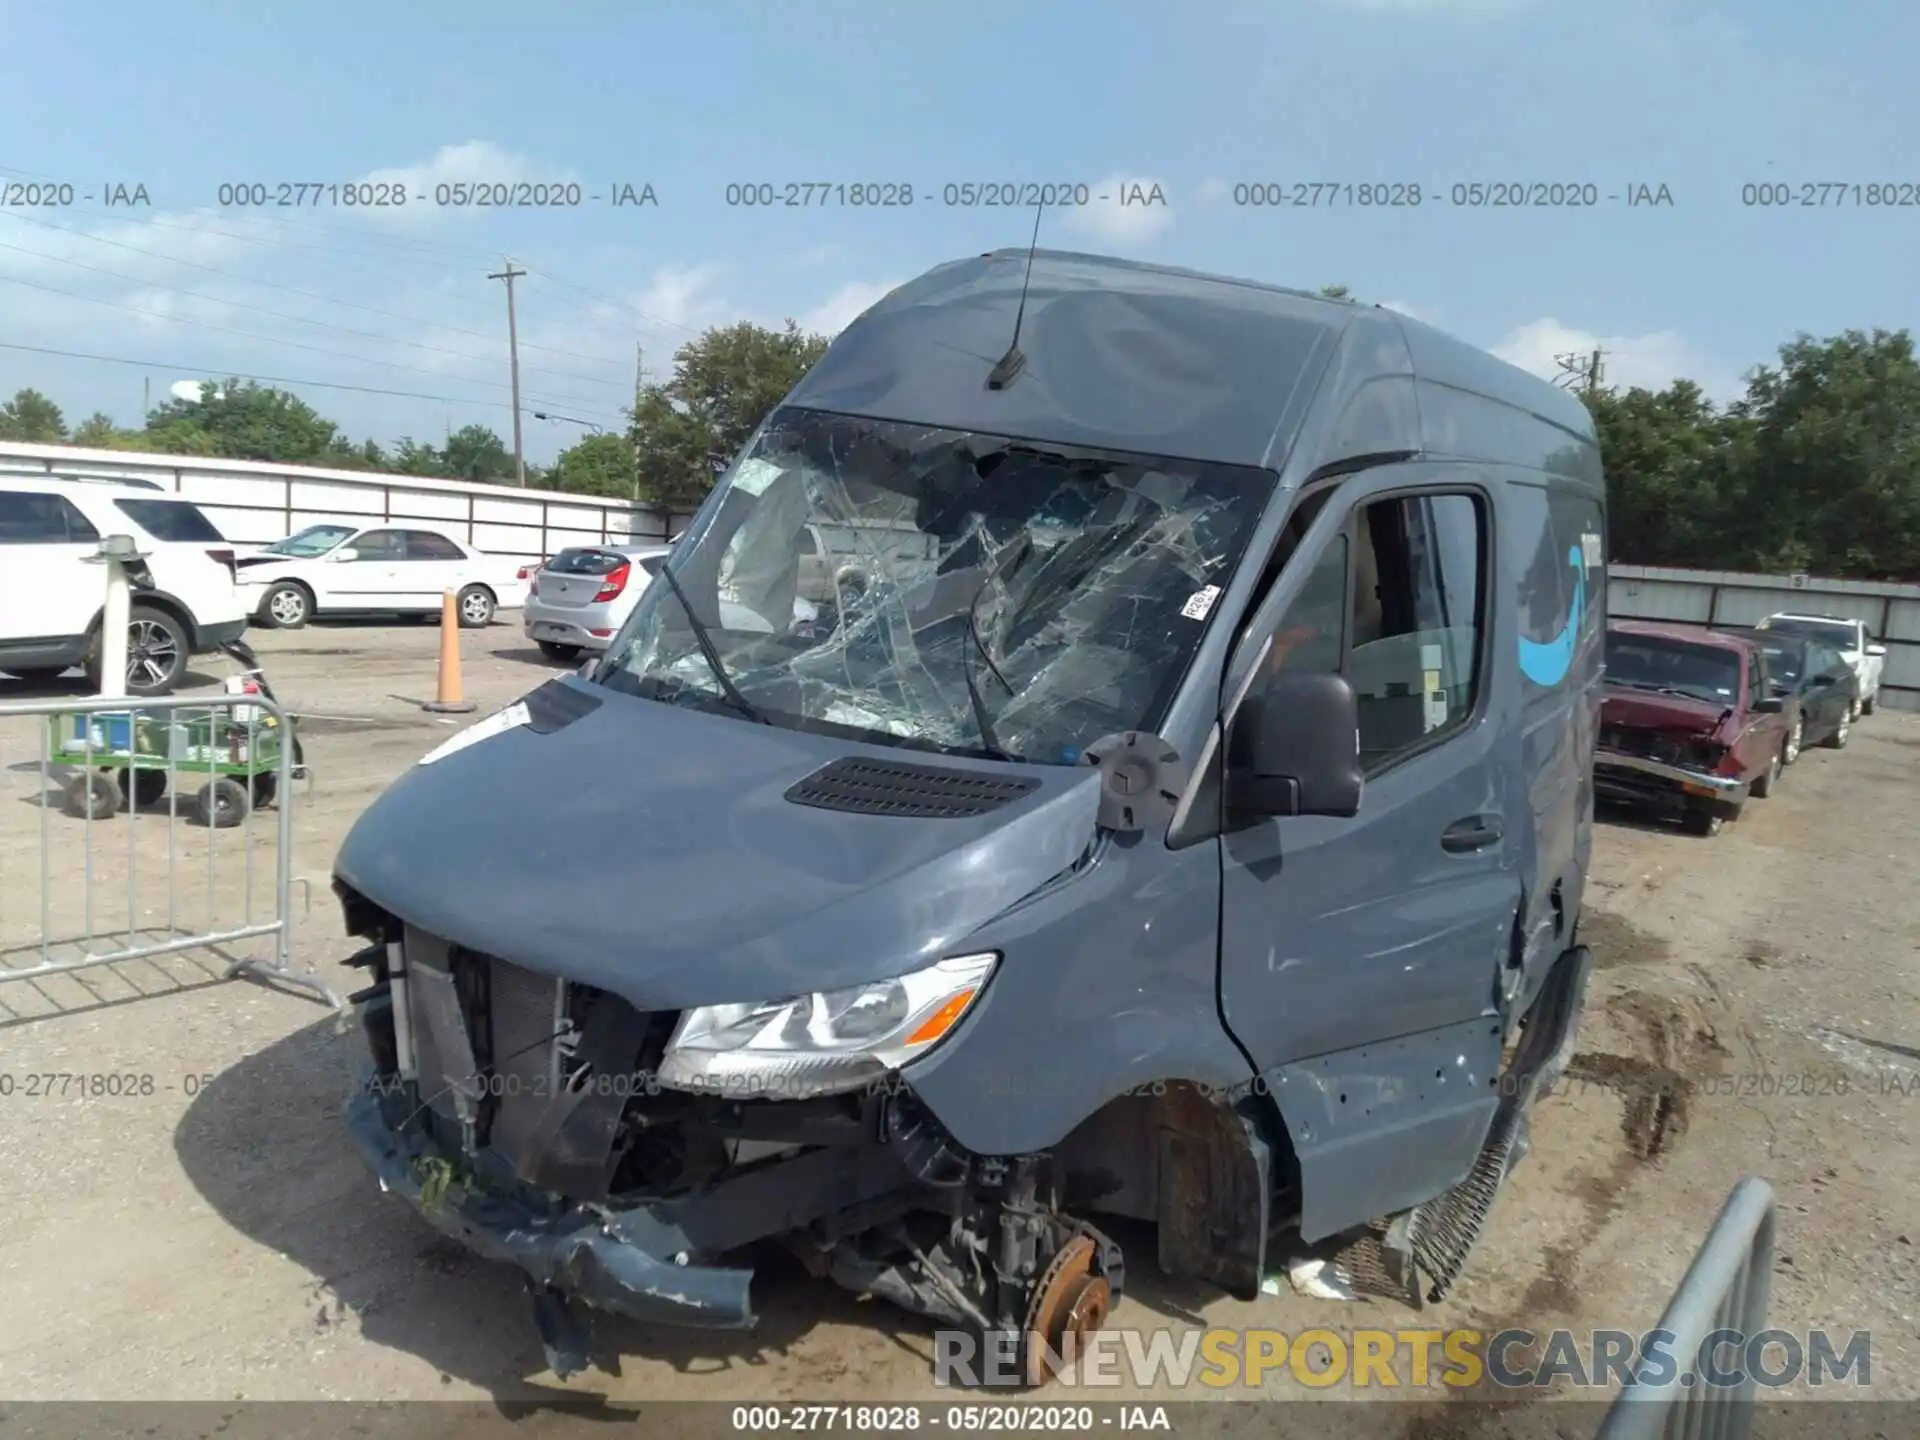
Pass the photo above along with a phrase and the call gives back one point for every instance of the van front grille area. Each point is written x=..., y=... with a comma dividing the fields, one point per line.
x=499, y=1051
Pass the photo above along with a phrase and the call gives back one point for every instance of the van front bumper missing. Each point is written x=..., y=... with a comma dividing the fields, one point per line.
x=632, y=1262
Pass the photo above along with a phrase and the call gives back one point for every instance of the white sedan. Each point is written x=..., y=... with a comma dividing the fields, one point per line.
x=387, y=569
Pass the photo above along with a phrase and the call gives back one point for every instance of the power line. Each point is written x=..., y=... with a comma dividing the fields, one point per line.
x=423, y=252
x=269, y=339
x=268, y=379
x=654, y=320
x=294, y=319
x=382, y=311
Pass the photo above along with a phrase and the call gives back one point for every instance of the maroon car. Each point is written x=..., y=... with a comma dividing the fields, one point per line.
x=1689, y=725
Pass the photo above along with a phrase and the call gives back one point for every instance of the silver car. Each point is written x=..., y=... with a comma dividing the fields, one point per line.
x=581, y=597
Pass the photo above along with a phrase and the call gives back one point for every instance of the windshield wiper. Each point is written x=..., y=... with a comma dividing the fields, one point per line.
x=734, y=697
x=988, y=740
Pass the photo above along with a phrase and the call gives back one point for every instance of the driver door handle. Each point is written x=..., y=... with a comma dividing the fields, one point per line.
x=1475, y=832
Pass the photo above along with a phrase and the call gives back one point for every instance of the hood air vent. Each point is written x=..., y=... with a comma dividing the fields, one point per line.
x=920, y=792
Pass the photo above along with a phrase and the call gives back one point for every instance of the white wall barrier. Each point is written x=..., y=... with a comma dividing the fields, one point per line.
x=1724, y=597
x=254, y=503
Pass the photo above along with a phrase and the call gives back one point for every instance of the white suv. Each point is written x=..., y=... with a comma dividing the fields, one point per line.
x=184, y=600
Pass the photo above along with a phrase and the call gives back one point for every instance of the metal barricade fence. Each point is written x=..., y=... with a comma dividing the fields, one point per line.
x=140, y=756
x=1725, y=1289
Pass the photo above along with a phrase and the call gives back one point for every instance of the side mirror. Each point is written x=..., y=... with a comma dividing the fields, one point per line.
x=1876, y=649
x=1295, y=749
x=346, y=553
x=1769, y=705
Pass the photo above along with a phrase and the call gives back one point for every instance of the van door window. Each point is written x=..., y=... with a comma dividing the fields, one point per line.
x=1288, y=541
x=1403, y=627
x=1414, y=657
x=1310, y=637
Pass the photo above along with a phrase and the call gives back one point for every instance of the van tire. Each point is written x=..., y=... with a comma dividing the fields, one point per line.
x=1870, y=704
x=475, y=607
x=167, y=637
x=286, y=606
x=1838, y=739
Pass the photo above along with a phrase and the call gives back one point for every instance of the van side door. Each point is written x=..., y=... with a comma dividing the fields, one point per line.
x=1339, y=933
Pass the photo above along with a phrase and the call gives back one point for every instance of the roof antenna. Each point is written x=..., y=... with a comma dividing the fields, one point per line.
x=1013, y=362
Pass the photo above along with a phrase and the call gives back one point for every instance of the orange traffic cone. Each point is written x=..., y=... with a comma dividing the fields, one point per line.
x=447, y=699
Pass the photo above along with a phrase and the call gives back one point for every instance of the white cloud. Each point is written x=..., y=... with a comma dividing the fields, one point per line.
x=1652, y=360
x=216, y=292
x=476, y=162
x=1213, y=192
x=1126, y=210
x=839, y=309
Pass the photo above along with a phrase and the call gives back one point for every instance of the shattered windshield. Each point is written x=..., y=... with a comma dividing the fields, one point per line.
x=941, y=589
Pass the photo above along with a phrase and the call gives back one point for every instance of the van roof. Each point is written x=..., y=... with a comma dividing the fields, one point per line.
x=1164, y=361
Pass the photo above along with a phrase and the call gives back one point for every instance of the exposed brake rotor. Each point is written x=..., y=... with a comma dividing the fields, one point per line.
x=1069, y=1303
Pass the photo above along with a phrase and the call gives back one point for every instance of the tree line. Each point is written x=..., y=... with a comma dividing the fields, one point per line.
x=1815, y=467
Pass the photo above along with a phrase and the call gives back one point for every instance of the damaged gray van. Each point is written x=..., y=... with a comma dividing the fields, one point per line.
x=1180, y=833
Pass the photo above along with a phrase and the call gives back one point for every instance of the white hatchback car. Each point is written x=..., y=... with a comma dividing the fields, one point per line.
x=387, y=569
x=52, y=590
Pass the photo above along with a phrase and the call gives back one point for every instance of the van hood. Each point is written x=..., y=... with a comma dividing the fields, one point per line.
x=653, y=851
x=1646, y=710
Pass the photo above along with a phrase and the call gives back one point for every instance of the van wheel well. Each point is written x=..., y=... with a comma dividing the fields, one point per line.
x=1213, y=1173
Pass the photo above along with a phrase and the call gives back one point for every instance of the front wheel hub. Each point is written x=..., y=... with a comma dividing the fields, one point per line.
x=1069, y=1304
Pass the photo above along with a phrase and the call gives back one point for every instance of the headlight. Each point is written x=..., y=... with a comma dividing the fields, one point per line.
x=824, y=1043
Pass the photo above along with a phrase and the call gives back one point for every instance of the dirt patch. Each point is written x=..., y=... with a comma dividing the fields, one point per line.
x=1675, y=1033
x=1617, y=941
x=1656, y=1109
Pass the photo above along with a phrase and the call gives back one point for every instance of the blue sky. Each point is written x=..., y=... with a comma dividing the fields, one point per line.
x=1197, y=98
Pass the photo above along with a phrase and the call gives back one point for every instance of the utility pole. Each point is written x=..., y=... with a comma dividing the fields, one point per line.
x=633, y=433
x=513, y=347
x=1580, y=372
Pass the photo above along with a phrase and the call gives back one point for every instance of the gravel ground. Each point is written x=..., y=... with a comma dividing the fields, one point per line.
x=214, y=1238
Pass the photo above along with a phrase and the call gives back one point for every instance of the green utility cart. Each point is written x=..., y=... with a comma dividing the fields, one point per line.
x=134, y=755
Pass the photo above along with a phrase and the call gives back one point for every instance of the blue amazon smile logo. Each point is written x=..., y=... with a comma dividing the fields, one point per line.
x=1547, y=662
